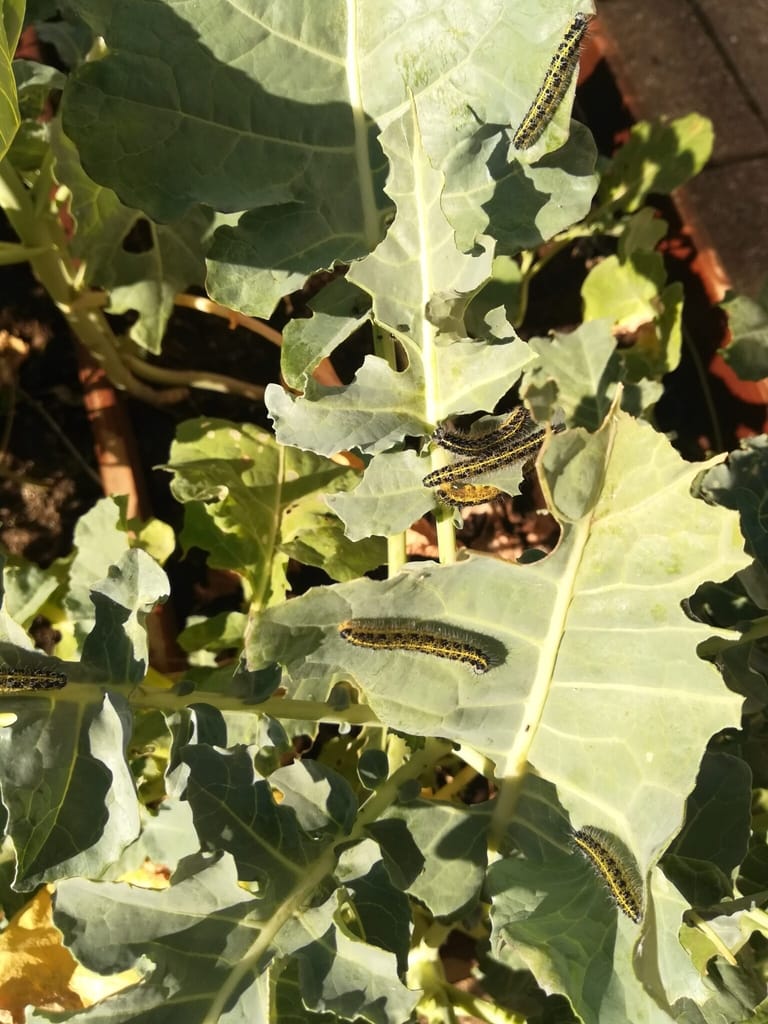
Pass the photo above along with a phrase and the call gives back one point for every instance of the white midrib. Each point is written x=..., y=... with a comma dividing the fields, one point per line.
x=518, y=754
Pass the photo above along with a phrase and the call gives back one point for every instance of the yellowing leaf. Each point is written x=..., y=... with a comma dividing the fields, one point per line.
x=37, y=970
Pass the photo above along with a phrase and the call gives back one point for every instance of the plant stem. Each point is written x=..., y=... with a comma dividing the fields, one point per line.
x=57, y=273
x=279, y=707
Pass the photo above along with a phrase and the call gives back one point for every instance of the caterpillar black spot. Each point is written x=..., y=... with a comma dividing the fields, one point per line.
x=14, y=680
x=426, y=638
x=615, y=869
x=554, y=87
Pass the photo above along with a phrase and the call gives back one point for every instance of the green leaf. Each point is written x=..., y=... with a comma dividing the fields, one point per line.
x=747, y=353
x=314, y=536
x=117, y=645
x=342, y=81
x=739, y=483
x=632, y=295
x=446, y=373
x=207, y=942
x=388, y=499
x=703, y=858
x=100, y=540
x=576, y=372
x=551, y=914
x=271, y=843
x=523, y=204
x=642, y=233
x=189, y=942
x=247, y=499
x=13, y=252
x=337, y=312
x=171, y=259
x=437, y=852
x=340, y=973
x=76, y=746
x=624, y=291
x=658, y=158
x=27, y=587
x=10, y=30
x=634, y=544
x=381, y=908
x=34, y=83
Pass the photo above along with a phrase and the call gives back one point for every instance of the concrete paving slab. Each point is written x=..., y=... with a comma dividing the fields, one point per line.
x=729, y=203
x=668, y=64
x=740, y=30
x=671, y=57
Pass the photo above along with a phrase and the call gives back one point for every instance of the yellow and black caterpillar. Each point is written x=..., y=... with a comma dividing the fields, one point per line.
x=18, y=680
x=554, y=87
x=437, y=639
x=614, y=868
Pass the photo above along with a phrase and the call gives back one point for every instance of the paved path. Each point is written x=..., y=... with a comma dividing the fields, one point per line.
x=671, y=57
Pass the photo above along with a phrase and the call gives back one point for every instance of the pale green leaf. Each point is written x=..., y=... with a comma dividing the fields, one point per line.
x=418, y=259
x=76, y=746
x=436, y=851
x=242, y=491
x=576, y=372
x=10, y=29
x=658, y=158
x=116, y=647
x=293, y=103
x=634, y=545
x=388, y=499
x=100, y=540
x=624, y=291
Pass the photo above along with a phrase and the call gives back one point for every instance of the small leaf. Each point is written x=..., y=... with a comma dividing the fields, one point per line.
x=658, y=158
x=747, y=352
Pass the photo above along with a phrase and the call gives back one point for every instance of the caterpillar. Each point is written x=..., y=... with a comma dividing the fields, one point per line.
x=554, y=87
x=505, y=456
x=466, y=444
x=13, y=680
x=428, y=638
x=614, y=867
x=466, y=495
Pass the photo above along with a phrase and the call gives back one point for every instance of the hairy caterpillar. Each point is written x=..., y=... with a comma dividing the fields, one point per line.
x=466, y=495
x=615, y=869
x=18, y=679
x=466, y=444
x=517, y=451
x=427, y=637
x=554, y=87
